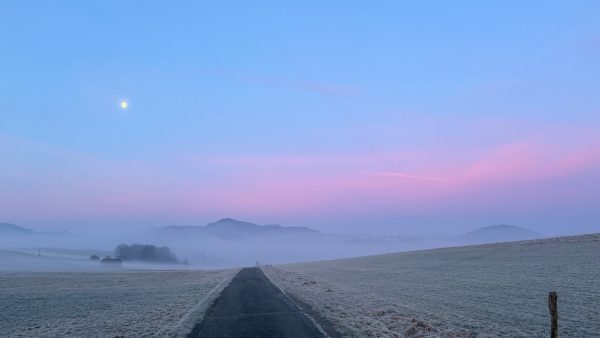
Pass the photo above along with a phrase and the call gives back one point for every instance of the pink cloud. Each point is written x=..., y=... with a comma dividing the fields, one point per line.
x=533, y=161
x=412, y=176
x=312, y=183
x=576, y=161
x=511, y=161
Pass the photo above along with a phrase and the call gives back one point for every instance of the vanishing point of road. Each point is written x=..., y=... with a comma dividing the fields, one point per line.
x=251, y=306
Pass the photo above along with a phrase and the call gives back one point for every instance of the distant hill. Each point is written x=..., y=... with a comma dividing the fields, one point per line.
x=498, y=233
x=12, y=229
x=230, y=225
x=229, y=228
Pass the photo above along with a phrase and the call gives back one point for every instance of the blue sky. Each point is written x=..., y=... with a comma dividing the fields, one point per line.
x=277, y=102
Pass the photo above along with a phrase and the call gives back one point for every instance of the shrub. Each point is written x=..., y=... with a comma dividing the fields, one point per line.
x=145, y=253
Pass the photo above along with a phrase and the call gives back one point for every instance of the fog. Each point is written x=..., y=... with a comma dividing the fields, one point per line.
x=221, y=244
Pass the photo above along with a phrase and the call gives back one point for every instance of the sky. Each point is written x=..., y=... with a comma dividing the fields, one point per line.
x=428, y=117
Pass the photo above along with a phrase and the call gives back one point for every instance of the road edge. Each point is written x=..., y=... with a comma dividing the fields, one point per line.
x=196, y=314
x=321, y=323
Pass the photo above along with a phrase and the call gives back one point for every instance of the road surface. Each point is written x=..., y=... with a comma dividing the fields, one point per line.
x=251, y=306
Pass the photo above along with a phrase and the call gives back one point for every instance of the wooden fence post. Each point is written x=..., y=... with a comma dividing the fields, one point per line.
x=552, y=298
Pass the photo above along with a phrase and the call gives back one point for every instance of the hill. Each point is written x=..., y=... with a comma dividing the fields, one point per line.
x=229, y=242
x=498, y=233
x=12, y=229
x=229, y=228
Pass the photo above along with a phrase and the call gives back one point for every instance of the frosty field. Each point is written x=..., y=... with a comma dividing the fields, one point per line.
x=475, y=291
x=105, y=304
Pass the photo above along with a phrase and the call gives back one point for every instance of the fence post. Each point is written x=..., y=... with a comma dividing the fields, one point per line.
x=552, y=299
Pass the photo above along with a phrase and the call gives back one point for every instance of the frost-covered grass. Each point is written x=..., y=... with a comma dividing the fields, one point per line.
x=105, y=304
x=475, y=291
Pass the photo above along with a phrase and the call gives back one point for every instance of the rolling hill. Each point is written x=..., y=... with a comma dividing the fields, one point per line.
x=13, y=229
x=229, y=228
x=498, y=233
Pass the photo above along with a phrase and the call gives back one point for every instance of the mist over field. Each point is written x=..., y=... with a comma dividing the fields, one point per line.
x=224, y=243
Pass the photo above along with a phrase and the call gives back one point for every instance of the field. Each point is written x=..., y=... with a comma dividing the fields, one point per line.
x=475, y=291
x=105, y=304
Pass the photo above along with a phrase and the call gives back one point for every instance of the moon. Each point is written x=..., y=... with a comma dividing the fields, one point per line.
x=124, y=104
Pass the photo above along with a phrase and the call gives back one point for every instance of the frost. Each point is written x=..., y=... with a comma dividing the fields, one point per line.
x=105, y=304
x=495, y=290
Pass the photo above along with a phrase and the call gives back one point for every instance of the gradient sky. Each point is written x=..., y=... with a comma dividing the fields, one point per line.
x=384, y=118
